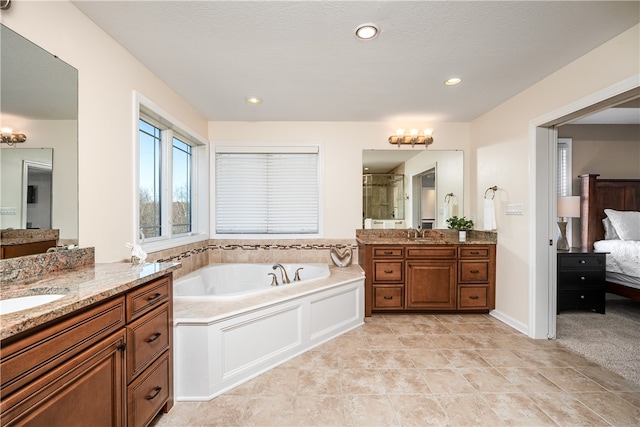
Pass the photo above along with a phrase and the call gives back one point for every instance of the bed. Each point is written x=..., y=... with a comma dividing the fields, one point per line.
x=617, y=200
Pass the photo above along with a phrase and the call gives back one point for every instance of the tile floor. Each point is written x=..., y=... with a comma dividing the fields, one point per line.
x=425, y=370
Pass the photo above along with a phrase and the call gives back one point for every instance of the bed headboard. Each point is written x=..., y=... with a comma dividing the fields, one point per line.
x=600, y=194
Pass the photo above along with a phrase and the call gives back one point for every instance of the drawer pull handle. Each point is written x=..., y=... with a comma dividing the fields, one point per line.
x=154, y=296
x=474, y=253
x=388, y=252
x=582, y=261
x=582, y=278
x=155, y=392
x=581, y=296
x=474, y=297
x=388, y=271
x=475, y=271
x=154, y=337
x=388, y=297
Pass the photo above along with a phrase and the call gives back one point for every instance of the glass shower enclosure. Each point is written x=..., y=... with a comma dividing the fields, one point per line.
x=383, y=196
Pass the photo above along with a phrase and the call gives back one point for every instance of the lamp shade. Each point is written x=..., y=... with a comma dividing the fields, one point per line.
x=569, y=206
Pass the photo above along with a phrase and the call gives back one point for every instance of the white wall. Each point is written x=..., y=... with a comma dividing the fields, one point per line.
x=343, y=144
x=107, y=77
x=501, y=140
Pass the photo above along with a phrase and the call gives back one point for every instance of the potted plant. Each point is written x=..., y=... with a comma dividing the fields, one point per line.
x=462, y=225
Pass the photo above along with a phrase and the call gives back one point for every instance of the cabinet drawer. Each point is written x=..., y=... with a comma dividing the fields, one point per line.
x=473, y=271
x=387, y=297
x=581, y=300
x=147, y=338
x=582, y=261
x=388, y=252
x=581, y=279
x=473, y=252
x=432, y=252
x=147, y=297
x=473, y=297
x=38, y=353
x=148, y=393
x=387, y=271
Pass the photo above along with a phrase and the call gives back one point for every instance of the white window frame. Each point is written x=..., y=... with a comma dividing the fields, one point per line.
x=565, y=183
x=147, y=110
x=268, y=147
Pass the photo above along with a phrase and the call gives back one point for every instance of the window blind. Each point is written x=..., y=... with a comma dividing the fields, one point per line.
x=267, y=193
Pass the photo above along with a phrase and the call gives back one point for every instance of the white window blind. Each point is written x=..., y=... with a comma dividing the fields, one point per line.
x=267, y=193
x=564, y=167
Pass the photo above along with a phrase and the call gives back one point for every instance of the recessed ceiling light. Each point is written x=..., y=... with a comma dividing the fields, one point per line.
x=452, y=81
x=367, y=31
x=253, y=99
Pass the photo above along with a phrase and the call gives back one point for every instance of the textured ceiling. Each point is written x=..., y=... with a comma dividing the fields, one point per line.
x=302, y=57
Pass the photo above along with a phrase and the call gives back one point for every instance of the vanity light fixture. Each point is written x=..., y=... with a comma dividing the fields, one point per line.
x=367, y=31
x=452, y=81
x=414, y=138
x=11, y=138
x=253, y=100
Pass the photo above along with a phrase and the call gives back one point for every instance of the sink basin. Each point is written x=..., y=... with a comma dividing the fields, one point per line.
x=23, y=303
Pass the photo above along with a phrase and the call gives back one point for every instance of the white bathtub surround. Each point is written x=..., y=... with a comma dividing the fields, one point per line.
x=222, y=344
x=218, y=282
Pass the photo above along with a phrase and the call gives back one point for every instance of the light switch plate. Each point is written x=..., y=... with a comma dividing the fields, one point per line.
x=515, y=209
x=8, y=211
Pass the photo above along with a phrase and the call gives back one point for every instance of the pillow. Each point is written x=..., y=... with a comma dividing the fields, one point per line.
x=626, y=223
x=609, y=231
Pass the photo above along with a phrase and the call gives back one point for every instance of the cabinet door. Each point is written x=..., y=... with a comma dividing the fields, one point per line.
x=87, y=390
x=431, y=285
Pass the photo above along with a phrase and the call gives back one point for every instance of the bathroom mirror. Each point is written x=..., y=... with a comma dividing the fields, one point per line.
x=433, y=181
x=39, y=98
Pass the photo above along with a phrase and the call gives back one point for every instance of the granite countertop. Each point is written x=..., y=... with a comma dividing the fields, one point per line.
x=20, y=236
x=12, y=241
x=431, y=237
x=82, y=286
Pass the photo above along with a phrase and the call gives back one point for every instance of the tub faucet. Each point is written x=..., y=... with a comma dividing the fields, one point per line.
x=285, y=278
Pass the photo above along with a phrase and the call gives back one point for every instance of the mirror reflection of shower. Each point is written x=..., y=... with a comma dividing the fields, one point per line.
x=383, y=199
x=428, y=206
x=36, y=195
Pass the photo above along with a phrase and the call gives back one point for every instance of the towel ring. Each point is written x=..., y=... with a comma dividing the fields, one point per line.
x=493, y=191
x=447, y=198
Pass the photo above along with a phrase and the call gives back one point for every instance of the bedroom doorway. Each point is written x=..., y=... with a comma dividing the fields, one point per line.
x=543, y=287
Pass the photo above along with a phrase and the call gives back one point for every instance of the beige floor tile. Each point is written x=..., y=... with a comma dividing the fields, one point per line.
x=446, y=381
x=529, y=380
x=488, y=380
x=565, y=410
x=403, y=381
x=319, y=411
x=225, y=410
x=315, y=382
x=393, y=359
x=516, y=409
x=568, y=379
x=420, y=370
x=361, y=381
x=612, y=407
x=423, y=358
x=369, y=411
x=269, y=411
x=465, y=358
x=468, y=410
x=419, y=411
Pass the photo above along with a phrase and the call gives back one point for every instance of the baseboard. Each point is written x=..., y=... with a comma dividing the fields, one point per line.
x=510, y=321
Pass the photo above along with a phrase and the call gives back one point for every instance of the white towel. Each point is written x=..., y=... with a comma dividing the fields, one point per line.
x=489, y=215
x=446, y=214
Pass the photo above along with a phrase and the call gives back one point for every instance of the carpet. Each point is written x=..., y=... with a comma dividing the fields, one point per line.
x=611, y=340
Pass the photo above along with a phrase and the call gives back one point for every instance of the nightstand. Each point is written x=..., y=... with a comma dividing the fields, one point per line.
x=581, y=280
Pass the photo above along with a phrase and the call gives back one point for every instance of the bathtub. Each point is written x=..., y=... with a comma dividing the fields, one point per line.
x=222, y=281
x=221, y=342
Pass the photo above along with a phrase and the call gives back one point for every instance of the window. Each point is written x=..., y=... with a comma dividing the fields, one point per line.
x=172, y=186
x=267, y=191
x=564, y=167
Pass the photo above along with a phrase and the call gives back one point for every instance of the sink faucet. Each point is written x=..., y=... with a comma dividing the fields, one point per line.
x=285, y=278
x=415, y=233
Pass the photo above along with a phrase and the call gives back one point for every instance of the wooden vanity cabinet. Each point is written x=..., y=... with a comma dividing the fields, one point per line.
x=30, y=248
x=406, y=278
x=431, y=278
x=108, y=365
x=387, y=265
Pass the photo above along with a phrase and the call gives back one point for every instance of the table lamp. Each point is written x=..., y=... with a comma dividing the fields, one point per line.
x=568, y=207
